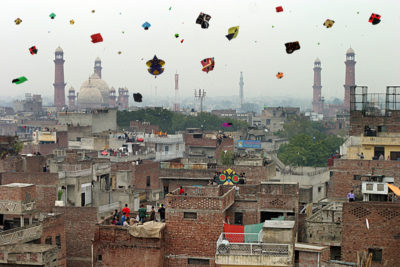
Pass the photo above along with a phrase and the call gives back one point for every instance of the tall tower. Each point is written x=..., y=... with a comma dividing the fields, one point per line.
x=97, y=66
x=59, y=85
x=350, y=76
x=123, y=98
x=176, y=104
x=112, y=98
x=71, y=98
x=318, y=103
x=241, y=83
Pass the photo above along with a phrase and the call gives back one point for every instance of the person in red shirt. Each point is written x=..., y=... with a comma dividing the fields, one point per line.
x=181, y=191
x=126, y=210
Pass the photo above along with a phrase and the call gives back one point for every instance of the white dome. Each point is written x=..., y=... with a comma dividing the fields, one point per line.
x=100, y=84
x=89, y=97
x=59, y=49
x=350, y=51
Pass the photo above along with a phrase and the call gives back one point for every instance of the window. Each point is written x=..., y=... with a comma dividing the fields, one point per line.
x=238, y=218
x=166, y=148
x=177, y=147
x=268, y=122
x=48, y=241
x=147, y=180
x=357, y=177
x=376, y=254
x=58, y=241
x=99, y=257
x=190, y=215
x=319, y=189
x=199, y=261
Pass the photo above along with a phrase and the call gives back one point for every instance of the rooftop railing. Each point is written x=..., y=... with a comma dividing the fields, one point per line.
x=21, y=234
x=249, y=244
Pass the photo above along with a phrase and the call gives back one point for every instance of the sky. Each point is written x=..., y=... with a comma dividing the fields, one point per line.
x=258, y=50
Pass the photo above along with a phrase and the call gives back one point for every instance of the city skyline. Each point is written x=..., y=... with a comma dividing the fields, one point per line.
x=258, y=50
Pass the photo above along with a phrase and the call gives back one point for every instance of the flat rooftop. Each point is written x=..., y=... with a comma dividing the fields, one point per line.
x=17, y=185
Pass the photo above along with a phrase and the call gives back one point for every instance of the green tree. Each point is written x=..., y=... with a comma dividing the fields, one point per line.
x=227, y=157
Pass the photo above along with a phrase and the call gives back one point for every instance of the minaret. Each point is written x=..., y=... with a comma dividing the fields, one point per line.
x=97, y=66
x=350, y=76
x=59, y=85
x=241, y=83
x=71, y=98
x=317, y=99
x=176, y=104
x=112, y=98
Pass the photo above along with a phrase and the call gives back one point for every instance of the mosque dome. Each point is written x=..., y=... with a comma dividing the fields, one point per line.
x=89, y=97
x=350, y=51
x=99, y=84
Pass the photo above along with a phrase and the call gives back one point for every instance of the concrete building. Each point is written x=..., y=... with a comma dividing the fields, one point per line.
x=167, y=147
x=97, y=121
x=273, y=118
x=233, y=114
x=29, y=104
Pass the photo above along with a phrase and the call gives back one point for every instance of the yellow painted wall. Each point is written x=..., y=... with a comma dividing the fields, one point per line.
x=368, y=151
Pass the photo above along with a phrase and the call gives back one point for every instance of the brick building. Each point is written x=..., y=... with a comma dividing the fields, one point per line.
x=372, y=227
x=194, y=222
x=143, y=127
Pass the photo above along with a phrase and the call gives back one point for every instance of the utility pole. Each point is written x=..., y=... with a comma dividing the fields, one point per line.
x=200, y=96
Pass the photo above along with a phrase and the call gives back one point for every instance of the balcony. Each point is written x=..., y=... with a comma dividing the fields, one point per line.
x=21, y=234
x=16, y=207
x=75, y=174
x=383, y=140
x=29, y=255
x=247, y=249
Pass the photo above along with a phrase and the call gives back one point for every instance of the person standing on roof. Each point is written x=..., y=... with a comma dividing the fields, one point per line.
x=126, y=210
x=162, y=213
x=181, y=191
x=142, y=213
x=350, y=196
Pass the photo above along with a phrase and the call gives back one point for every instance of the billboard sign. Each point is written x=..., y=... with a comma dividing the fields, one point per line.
x=248, y=144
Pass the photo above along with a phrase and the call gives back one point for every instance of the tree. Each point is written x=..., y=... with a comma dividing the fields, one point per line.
x=227, y=157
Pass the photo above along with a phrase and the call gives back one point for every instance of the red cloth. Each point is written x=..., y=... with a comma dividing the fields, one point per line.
x=238, y=237
x=181, y=192
x=127, y=211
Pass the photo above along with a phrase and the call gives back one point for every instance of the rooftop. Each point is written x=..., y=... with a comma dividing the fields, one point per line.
x=17, y=185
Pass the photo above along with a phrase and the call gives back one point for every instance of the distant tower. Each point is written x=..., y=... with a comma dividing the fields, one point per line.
x=71, y=98
x=241, y=83
x=350, y=76
x=59, y=85
x=176, y=104
x=97, y=66
x=123, y=98
x=318, y=102
x=200, y=97
x=112, y=98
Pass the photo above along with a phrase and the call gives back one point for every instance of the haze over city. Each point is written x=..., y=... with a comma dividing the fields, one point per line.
x=258, y=50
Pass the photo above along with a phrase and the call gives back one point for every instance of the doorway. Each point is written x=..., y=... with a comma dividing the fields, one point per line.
x=394, y=155
x=379, y=150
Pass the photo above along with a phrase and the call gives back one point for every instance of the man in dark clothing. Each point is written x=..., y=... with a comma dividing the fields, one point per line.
x=162, y=212
x=142, y=213
x=152, y=214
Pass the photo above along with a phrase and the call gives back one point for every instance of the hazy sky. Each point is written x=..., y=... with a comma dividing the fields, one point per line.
x=258, y=50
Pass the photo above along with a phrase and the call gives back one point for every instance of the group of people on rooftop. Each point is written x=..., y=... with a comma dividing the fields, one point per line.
x=122, y=217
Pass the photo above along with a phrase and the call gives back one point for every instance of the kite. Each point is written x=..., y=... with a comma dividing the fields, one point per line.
x=52, y=15
x=146, y=25
x=228, y=177
x=291, y=47
x=19, y=80
x=208, y=64
x=33, y=50
x=279, y=75
x=119, y=52
x=137, y=97
x=203, y=19
x=18, y=21
x=72, y=22
x=176, y=35
x=155, y=66
x=328, y=23
x=227, y=124
x=374, y=19
x=182, y=40
x=93, y=11
x=279, y=9
x=232, y=33
x=96, y=38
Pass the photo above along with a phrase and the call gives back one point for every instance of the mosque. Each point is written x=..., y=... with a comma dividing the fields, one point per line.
x=94, y=93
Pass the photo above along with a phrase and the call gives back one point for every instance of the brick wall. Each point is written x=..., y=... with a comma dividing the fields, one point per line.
x=13, y=163
x=249, y=209
x=383, y=232
x=253, y=174
x=18, y=193
x=140, y=173
x=80, y=225
x=55, y=226
x=358, y=122
x=226, y=144
x=46, y=186
x=343, y=170
x=118, y=248
x=192, y=237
